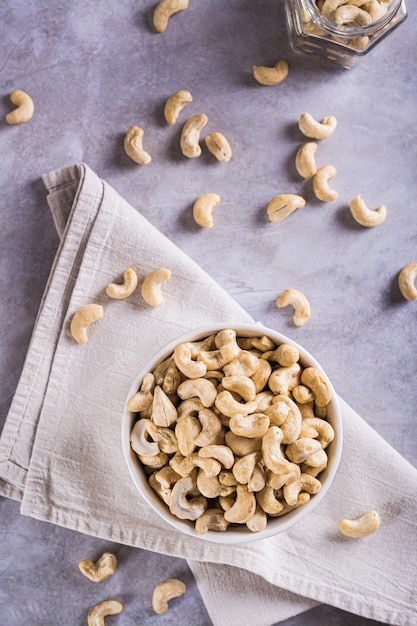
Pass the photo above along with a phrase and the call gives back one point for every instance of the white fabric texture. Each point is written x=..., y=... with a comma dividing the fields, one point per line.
x=60, y=450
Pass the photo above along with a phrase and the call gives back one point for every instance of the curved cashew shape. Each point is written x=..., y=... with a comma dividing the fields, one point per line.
x=271, y=75
x=166, y=591
x=190, y=135
x=138, y=440
x=365, y=525
x=364, y=216
x=242, y=445
x=244, y=364
x=104, y=567
x=143, y=398
x=154, y=461
x=277, y=481
x=82, y=319
x=134, y=147
x=283, y=205
x=324, y=430
x=198, y=388
x=97, y=614
x=305, y=161
x=210, y=467
x=211, y=428
x=244, y=467
x=302, y=394
x=317, y=130
x=185, y=363
x=212, y=519
x=406, y=281
x=312, y=378
x=227, y=405
x=203, y=208
x=219, y=147
x=187, y=429
x=175, y=104
x=298, y=451
x=300, y=303
x=243, y=508
x=221, y=453
x=152, y=286
x=291, y=425
x=180, y=505
x=164, y=10
x=285, y=355
x=124, y=290
x=251, y=426
x=305, y=483
x=330, y=6
x=163, y=436
x=25, y=107
x=164, y=493
x=258, y=522
x=261, y=375
x=284, y=379
x=242, y=385
x=321, y=187
x=272, y=455
x=352, y=16
x=268, y=502
x=208, y=486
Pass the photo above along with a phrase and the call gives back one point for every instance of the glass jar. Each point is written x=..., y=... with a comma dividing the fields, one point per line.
x=346, y=42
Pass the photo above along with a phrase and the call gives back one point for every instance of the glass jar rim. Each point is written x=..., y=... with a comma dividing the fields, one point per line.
x=345, y=30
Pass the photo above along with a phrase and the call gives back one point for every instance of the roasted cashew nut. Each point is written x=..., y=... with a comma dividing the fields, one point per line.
x=321, y=187
x=166, y=591
x=125, y=289
x=351, y=15
x=25, y=107
x=271, y=75
x=104, y=567
x=190, y=135
x=365, y=216
x=312, y=378
x=306, y=483
x=219, y=147
x=406, y=281
x=283, y=205
x=300, y=303
x=152, y=286
x=82, y=319
x=316, y=130
x=305, y=161
x=133, y=145
x=97, y=614
x=203, y=208
x=164, y=10
x=365, y=525
x=243, y=508
x=175, y=104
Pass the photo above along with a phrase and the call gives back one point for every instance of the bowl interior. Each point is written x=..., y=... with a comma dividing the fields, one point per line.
x=235, y=534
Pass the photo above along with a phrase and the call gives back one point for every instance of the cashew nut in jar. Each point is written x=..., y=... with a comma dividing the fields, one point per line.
x=133, y=145
x=152, y=286
x=305, y=162
x=24, y=107
x=104, y=567
x=219, y=147
x=175, y=104
x=190, y=135
x=406, y=281
x=300, y=303
x=271, y=75
x=365, y=216
x=283, y=205
x=203, y=208
x=97, y=614
x=363, y=526
x=166, y=591
x=82, y=319
x=164, y=10
x=125, y=289
x=321, y=187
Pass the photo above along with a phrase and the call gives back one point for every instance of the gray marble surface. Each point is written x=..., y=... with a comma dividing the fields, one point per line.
x=96, y=68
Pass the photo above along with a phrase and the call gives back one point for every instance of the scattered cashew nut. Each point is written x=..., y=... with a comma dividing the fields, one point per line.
x=321, y=187
x=316, y=130
x=97, y=614
x=219, y=147
x=283, y=205
x=175, y=104
x=24, y=107
x=300, y=303
x=152, y=286
x=190, y=135
x=133, y=145
x=104, y=567
x=305, y=162
x=271, y=75
x=125, y=289
x=365, y=216
x=166, y=591
x=363, y=526
x=164, y=10
x=82, y=319
x=203, y=209
x=406, y=281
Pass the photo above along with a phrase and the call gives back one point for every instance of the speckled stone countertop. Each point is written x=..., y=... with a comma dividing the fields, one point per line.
x=94, y=69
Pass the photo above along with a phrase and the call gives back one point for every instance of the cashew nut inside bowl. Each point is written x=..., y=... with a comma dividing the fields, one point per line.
x=24, y=107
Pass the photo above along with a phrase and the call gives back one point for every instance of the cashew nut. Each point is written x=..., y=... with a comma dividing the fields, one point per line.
x=164, y=10
x=312, y=378
x=180, y=505
x=283, y=205
x=210, y=466
x=221, y=453
x=268, y=502
x=271, y=75
x=175, y=104
x=284, y=379
x=203, y=208
x=166, y=591
x=97, y=614
x=363, y=526
x=244, y=467
x=211, y=428
x=163, y=436
x=186, y=430
x=138, y=440
x=244, y=364
x=124, y=290
x=406, y=281
x=104, y=567
x=298, y=451
x=291, y=424
x=251, y=426
x=25, y=107
x=164, y=412
x=212, y=519
x=133, y=146
x=200, y=388
x=351, y=15
x=152, y=286
x=305, y=162
x=82, y=319
x=243, y=508
x=300, y=303
x=261, y=375
x=226, y=404
x=323, y=430
x=364, y=216
x=317, y=130
x=190, y=135
x=285, y=355
x=258, y=522
x=242, y=445
x=185, y=363
x=218, y=145
x=271, y=451
x=321, y=187
x=304, y=483
x=143, y=398
x=242, y=385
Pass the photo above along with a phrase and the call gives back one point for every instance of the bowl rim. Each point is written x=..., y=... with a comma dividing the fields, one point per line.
x=237, y=534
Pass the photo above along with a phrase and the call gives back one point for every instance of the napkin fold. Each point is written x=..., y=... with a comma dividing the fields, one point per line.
x=60, y=450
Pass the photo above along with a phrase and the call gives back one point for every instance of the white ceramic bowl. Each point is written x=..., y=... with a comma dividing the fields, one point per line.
x=234, y=533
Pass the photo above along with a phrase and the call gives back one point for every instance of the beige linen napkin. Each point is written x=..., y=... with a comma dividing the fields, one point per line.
x=60, y=450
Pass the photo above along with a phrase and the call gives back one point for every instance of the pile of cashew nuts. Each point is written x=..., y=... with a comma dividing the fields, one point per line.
x=232, y=430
